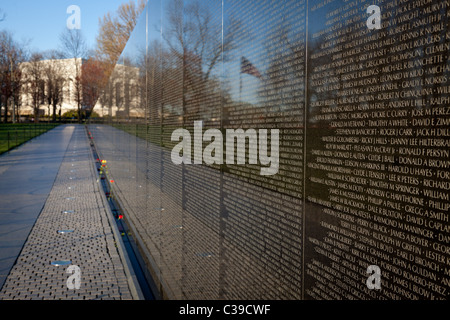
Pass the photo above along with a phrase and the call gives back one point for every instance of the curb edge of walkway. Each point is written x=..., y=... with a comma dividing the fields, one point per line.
x=133, y=283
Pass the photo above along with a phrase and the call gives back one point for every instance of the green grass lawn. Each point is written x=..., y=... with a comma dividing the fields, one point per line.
x=13, y=135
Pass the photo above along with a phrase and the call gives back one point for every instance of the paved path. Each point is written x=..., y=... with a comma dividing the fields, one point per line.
x=38, y=183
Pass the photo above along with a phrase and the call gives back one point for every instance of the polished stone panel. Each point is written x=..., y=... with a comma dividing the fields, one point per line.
x=340, y=166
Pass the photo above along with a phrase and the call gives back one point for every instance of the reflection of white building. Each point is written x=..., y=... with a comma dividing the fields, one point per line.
x=65, y=70
x=122, y=96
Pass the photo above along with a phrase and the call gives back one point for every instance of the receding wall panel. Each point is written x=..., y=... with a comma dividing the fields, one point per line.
x=285, y=149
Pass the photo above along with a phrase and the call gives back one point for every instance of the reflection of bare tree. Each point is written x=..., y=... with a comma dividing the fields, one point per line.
x=124, y=91
x=93, y=81
x=138, y=73
x=154, y=89
x=196, y=45
x=125, y=82
x=284, y=82
x=105, y=99
x=118, y=96
x=193, y=47
x=134, y=85
x=281, y=95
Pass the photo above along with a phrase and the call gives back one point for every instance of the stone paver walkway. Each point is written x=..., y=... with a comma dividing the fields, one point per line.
x=75, y=226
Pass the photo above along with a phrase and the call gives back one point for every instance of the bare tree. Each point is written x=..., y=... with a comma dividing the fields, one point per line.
x=73, y=44
x=34, y=71
x=11, y=55
x=56, y=78
x=74, y=47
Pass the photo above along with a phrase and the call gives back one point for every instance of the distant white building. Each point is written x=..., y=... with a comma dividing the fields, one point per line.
x=122, y=96
x=66, y=69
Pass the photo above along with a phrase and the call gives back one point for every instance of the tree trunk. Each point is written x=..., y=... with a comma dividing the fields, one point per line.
x=54, y=113
x=5, y=116
x=79, y=113
x=36, y=114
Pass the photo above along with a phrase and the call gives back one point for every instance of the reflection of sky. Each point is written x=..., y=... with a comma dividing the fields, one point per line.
x=135, y=49
x=250, y=44
x=40, y=23
x=259, y=18
x=317, y=14
x=154, y=21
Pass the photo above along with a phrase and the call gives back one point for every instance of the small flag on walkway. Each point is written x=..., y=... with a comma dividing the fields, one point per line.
x=248, y=68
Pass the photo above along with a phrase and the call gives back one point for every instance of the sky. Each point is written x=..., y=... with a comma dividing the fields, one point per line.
x=40, y=22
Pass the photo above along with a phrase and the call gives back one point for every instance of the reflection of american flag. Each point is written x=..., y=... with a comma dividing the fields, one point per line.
x=247, y=67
